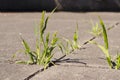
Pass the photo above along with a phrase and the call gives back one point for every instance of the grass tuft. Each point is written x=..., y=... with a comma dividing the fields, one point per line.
x=43, y=53
x=105, y=48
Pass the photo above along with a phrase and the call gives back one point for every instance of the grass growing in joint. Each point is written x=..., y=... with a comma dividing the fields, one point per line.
x=71, y=45
x=75, y=43
x=114, y=64
x=44, y=46
x=96, y=30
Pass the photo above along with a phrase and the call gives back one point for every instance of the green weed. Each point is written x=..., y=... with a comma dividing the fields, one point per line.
x=75, y=43
x=71, y=45
x=44, y=46
x=105, y=48
x=96, y=30
x=65, y=47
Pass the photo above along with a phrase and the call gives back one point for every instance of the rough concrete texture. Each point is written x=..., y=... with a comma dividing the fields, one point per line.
x=85, y=64
x=66, y=5
x=77, y=73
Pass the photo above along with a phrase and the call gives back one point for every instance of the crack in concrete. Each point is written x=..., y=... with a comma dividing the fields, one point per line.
x=94, y=37
x=32, y=75
x=59, y=60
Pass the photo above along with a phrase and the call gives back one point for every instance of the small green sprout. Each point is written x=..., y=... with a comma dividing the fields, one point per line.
x=117, y=65
x=65, y=48
x=96, y=30
x=75, y=44
x=71, y=45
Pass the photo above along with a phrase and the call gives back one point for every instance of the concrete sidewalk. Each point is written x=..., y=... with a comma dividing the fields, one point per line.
x=85, y=64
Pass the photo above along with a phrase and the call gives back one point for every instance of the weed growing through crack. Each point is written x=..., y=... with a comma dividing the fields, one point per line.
x=64, y=47
x=105, y=48
x=75, y=43
x=43, y=53
x=71, y=45
x=96, y=30
x=44, y=46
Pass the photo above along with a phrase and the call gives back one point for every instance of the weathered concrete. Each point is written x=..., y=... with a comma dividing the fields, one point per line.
x=77, y=73
x=16, y=72
x=66, y=5
x=86, y=64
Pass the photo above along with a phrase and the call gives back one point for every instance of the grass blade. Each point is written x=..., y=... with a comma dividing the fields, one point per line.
x=118, y=61
x=61, y=46
x=108, y=57
x=22, y=62
x=54, y=39
x=25, y=44
x=44, y=27
x=75, y=43
x=47, y=38
x=105, y=51
x=42, y=21
x=104, y=34
x=75, y=36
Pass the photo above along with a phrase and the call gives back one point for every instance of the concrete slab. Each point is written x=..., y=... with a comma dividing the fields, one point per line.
x=86, y=64
x=16, y=72
x=77, y=73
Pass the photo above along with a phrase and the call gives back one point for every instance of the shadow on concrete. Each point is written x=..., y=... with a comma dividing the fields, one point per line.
x=26, y=5
x=62, y=5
